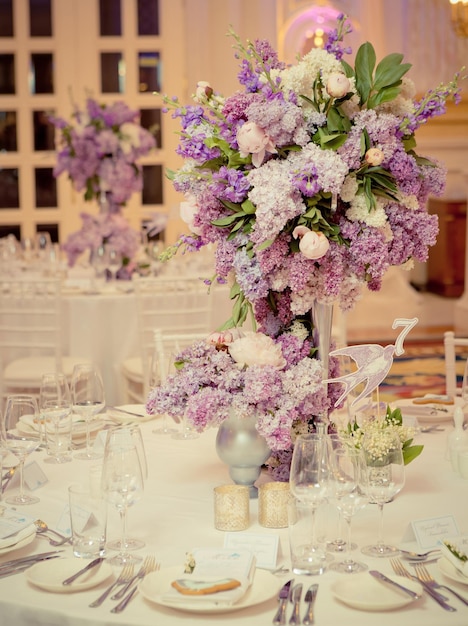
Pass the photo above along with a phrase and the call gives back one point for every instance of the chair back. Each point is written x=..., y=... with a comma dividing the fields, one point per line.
x=165, y=345
x=451, y=343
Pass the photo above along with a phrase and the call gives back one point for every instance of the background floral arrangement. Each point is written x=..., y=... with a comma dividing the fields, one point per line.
x=99, y=151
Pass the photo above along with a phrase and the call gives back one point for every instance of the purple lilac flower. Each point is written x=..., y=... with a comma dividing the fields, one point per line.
x=230, y=184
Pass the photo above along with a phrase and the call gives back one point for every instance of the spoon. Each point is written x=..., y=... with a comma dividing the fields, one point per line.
x=417, y=556
x=42, y=527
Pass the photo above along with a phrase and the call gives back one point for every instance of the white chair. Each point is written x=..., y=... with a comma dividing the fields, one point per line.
x=451, y=343
x=173, y=305
x=31, y=334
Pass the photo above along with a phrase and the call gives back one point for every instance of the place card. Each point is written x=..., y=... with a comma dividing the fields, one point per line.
x=431, y=531
x=12, y=522
x=264, y=547
x=219, y=562
x=33, y=477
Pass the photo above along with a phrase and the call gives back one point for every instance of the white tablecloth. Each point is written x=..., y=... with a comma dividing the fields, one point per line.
x=176, y=515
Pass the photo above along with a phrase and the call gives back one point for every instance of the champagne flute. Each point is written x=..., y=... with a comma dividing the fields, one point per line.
x=122, y=485
x=162, y=365
x=17, y=441
x=88, y=398
x=386, y=477
x=54, y=387
x=308, y=480
x=348, y=491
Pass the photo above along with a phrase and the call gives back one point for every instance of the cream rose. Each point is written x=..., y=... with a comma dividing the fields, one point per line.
x=256, y=349
x=253, y=140
x=374, y=156
x=312, y=244
x=338, y=85
x=188, y=209
x=203, y=92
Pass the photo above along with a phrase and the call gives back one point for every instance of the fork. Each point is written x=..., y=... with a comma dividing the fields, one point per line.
x=151, y=566
x=124, y=577
x=401, y=570
x=423, y=574
x=146, y=567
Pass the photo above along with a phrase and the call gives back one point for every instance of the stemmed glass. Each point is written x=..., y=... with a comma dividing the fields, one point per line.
x=386, y=477
x=113, y=260
x=162, y=365
x=122, y=485
x=348, y=490
x=88, y=399
x=17, y=441
x=57, y=415
x=54, y=387
x=308, y=480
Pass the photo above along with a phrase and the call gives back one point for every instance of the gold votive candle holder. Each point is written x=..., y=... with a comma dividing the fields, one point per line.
x=273, y=501
x=231, y=507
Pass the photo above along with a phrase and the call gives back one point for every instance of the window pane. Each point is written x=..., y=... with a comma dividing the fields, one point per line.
x=110, y=18
x=6, y=18
x=149, y=71
x=44, y=133
x=152, y=184
x=11, y=229
x=7, y=73
x=42, y=73
x=148, y=17
x=112, y=72
x=52, y=229
x=40, y=18
x=9, y=198
x=46, y=188
x=151, y=120
x=8, y=131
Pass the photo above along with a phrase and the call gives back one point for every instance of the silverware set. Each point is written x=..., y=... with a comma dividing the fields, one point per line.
x=16, y=566
x=291, y=593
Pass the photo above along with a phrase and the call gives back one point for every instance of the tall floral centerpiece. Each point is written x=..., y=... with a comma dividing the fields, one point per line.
x=100, y=150
x=309, y=182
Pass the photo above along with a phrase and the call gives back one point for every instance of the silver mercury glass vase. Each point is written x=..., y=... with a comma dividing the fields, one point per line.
x=243, y=449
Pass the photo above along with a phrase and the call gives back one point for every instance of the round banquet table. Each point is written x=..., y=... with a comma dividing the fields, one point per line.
x=175, y=516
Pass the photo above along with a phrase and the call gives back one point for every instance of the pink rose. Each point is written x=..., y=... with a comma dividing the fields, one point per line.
x=338, y=85
x=374, y=156
x=312, y=244
x=253, y=140
x=220, y=339
x=257, y=349
x=188, y=211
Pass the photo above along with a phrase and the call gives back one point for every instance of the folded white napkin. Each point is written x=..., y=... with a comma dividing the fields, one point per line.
x=460, y=544
x=224, y=598
x=17, y=537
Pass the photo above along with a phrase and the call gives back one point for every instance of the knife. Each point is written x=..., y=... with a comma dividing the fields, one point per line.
x=29, y=559
x=310, y=596
x=385, y=579
x=283, y=597
x=21, y=567
x=70, y=579
x=296, y=598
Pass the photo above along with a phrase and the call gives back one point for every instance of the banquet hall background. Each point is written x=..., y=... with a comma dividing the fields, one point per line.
x=54, y=54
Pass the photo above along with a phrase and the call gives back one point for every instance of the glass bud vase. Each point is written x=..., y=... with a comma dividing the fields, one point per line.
x=243, y=449
x=322, y=319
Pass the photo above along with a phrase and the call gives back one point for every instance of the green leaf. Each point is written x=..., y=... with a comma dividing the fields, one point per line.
x=334, y=121
x=225, y=221
x=248, y=207
x=410, y=453
x=390, y=70
x=348, y=70
x=386, y=94
x=233, y=206
x=365, y=63
x=265, y=244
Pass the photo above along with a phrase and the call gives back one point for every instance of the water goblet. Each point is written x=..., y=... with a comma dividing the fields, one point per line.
x=162, y=365
x=17, y=441
x=348, y=491
x=122, y=485
x=88, y=399
x=309, y=477
x=385, y=469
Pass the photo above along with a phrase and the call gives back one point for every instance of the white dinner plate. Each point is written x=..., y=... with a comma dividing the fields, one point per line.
x=28, y=424
x=49, y=575
x=264, y=587
x=363, y=592
x=425, y=413
x=139, y=409
x=451, y=571
x=20, y=544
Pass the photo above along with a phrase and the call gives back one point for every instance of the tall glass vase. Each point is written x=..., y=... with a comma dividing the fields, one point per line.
x=322, y=319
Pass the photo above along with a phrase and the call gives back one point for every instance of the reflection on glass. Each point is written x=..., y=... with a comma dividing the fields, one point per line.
x=151, y=120
x=6, y=18
x=148, y=17
x=46, y=187
x=41, y=77
x=112, y=72
x=152, y=184
x=149, y=71
x=44, y=136
x=110, y=18
x=8, y=142
x=40, y=18
x=9, y=198
x=7, y=73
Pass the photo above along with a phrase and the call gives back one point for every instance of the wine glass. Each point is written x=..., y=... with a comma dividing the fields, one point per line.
x=386, y=477
x=348, y=490
x=122, y=485
x=17, y=441
x=162, y=365
x=57, y=416
x=54, y=387
x=113, y=260
x=88, y=399
x=308, y=480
